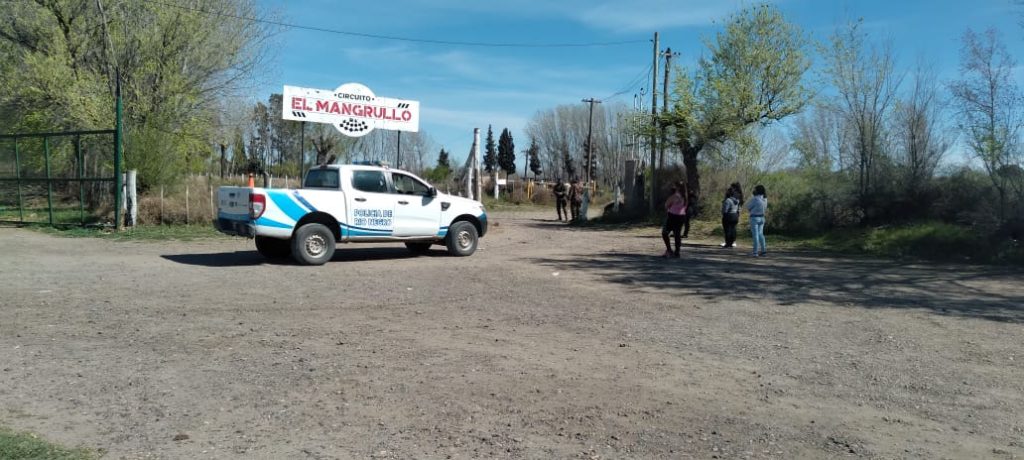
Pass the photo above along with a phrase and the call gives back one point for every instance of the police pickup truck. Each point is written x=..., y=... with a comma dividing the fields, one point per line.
x=350, y=203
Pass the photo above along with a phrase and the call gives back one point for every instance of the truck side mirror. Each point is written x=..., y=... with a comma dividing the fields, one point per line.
x=432, y=192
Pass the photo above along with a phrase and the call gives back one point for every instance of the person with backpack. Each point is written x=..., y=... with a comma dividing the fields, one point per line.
x=730, y=217
x=757, y=207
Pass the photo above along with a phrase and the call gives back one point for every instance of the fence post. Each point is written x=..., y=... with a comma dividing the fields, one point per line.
x=17, y=166
x=49, y=182
x=213, y=210
x=186, y=201
x=132, y=216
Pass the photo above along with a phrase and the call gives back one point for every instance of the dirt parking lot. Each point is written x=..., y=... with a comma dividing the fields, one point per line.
x=551, y=342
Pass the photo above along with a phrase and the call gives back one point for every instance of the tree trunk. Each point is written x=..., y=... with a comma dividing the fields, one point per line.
x=692, y=174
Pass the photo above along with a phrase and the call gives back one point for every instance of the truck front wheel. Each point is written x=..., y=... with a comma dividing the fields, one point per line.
x=462, y=239
x=313, y=244
x=273, y=248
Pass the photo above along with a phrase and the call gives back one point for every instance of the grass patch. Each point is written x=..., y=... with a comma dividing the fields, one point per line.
x=927, y=241
x=25, y=446
x=139, y=233
x=503, y=204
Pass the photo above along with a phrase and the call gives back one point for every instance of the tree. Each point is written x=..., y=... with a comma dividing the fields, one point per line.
x=442, y=159
x=864, y=79
x=177, y=67
x=570, y=167
x=506, y=152
x=989, y=107
x=752, y=76
x=533, y=154
x=920, y=136
x=490, y=153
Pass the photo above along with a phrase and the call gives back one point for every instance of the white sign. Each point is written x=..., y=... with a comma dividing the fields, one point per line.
x=352, y=108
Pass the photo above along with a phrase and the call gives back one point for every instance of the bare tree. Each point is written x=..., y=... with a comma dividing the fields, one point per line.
x=922, y=141
x=819, y=139
x=988, y=103
x=864, y=76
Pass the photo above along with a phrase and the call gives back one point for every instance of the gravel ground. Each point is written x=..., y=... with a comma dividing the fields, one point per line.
x=550, y=342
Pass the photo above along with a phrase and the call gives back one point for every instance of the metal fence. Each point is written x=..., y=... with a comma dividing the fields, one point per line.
x=61, y=178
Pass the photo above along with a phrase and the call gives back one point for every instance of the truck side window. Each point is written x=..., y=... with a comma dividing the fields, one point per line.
x=406, y=185
x=322, y=178
x=369, y=181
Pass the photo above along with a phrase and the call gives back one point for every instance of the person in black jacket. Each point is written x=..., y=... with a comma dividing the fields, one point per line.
x=730, y=217
x=560, y=199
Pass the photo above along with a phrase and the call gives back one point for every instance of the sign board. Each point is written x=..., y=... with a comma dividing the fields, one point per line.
x=352, y=108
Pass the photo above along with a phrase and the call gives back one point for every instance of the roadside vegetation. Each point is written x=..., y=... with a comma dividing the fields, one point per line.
x=27, y=446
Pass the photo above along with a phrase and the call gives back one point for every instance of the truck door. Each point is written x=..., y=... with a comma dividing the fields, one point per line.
x=416, y=212
x=371, y=207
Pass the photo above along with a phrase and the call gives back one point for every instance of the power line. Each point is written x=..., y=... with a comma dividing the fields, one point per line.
x=396, y=38
x=640, y=77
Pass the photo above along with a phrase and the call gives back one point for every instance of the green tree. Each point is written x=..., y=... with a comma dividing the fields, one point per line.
x=442, y=159
x=989, y=104
x=506, y=152
x=569, y=165
x=863, y=77
x=176, y=67
x=533, y=154
x=490, y=153
x=752, y=75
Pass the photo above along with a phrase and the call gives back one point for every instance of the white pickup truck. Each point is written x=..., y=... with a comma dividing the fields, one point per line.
x=349, y=204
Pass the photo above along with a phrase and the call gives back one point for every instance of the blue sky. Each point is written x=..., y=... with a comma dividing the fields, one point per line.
x=462, y=87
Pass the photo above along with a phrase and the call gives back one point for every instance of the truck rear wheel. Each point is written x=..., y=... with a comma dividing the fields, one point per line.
x=313, y=244
x=462, y=239
x=273, y=248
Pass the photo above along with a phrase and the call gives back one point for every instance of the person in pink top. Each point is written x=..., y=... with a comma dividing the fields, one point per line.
x=675, y=207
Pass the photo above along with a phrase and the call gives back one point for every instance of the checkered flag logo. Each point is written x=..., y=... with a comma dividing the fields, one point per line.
x=403, y=105
x=296, y=113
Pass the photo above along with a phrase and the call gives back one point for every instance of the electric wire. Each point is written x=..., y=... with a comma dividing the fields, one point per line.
x=640, y=77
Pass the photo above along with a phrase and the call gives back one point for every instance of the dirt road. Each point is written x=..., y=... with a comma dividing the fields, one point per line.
x=551, y=342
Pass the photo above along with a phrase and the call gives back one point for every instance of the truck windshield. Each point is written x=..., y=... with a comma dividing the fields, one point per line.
x=322, y=178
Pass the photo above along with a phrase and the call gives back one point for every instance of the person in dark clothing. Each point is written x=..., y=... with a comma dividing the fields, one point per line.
x=560, y=199
x=691, y=212
x=730, y=217
x=575, y=199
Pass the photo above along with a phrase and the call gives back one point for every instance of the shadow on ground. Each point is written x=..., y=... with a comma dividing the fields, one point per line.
x=251, y=258
x=791, y=278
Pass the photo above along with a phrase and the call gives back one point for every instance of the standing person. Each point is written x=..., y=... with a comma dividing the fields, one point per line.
x=730, y=217
x=560, y=199
x=757, y=207
x=675, y=207
x=691, y=212
x=575, y=199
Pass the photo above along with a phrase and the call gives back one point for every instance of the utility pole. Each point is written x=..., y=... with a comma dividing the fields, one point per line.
x=590, y=141
x=664, y=106
x=302, y=149
x=398, y=160
x=654, y=119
